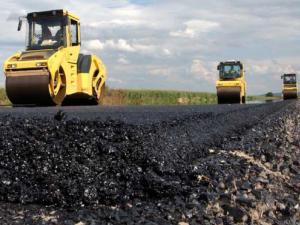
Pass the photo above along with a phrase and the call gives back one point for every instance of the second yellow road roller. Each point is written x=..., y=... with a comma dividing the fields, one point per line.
x=290, y=87
x=51, y=71
x=231, y=86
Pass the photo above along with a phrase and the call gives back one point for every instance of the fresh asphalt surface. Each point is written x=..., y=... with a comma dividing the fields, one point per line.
x=137, y=115
x=153, y=164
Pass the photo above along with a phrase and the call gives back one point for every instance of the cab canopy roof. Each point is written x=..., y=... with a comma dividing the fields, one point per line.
x=230, y=62
x=289, y=74
x=56, y=12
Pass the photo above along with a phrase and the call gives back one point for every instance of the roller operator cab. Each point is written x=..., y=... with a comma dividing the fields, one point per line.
x=290, y=87
x=231, y=86
x=51, y=71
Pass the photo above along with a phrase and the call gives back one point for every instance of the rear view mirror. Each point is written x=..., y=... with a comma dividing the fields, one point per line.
x=20, y=24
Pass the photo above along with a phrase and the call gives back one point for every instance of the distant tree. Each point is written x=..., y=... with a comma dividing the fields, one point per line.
x=269, y=94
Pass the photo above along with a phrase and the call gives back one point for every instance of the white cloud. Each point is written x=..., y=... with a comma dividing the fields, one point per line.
x=115, y=80
x=119, y=23
x=167, y=52
x=144, y=48
x=94, y=45
x=161, y=71
x=203, y=71
x=123, y=60
x=121, y=45
x=130, y=11
x=194, y=28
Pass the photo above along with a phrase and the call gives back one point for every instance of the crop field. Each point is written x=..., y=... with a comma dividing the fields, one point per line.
x=157, y=97
x=117, y=97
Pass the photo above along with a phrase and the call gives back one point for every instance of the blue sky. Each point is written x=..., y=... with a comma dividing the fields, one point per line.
x=177, y=44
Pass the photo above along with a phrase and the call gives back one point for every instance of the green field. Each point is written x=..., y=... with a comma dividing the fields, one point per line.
x=157, y=97
x=262, y=98
x=154, y=97
x=146, y=97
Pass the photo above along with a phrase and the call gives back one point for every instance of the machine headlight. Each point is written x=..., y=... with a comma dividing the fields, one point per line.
x=41, y=64
x=12, y=66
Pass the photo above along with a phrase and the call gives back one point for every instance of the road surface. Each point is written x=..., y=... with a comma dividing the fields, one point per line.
x=150, y=165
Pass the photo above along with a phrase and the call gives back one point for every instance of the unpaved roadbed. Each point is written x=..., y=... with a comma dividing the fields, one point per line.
x=215, y=166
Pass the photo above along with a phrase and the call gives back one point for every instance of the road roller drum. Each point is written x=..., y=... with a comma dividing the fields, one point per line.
x=28, y=89
x=229, y=95
x=290, y=95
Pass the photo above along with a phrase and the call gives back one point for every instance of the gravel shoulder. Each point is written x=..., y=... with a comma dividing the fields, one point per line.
x=188, y=165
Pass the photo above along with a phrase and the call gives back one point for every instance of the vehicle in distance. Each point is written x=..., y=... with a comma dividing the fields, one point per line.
x=231, y=86
x=290, y=87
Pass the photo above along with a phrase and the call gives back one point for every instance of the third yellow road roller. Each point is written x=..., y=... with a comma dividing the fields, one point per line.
x=231, y=86
x=51, y=71
x=290, y=87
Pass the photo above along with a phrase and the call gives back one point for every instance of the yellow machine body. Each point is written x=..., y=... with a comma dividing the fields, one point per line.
x=290, y=86
x=54, y=75
x=231, y=86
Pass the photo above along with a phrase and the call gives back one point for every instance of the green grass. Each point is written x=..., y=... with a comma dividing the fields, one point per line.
x=157, y=97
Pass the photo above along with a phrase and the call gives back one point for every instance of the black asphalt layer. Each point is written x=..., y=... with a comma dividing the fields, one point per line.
x=130, y=165
x=127, y=114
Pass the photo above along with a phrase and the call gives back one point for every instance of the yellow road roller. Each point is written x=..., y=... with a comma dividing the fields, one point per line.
x=231, y=86
x=51, y=71
x=290, y=87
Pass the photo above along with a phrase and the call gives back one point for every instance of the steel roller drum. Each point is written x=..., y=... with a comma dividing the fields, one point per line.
x=28, y=87
x=229, y=95
x=290, y=95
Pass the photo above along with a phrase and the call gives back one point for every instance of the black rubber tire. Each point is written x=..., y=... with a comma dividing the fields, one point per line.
x=244, y=99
